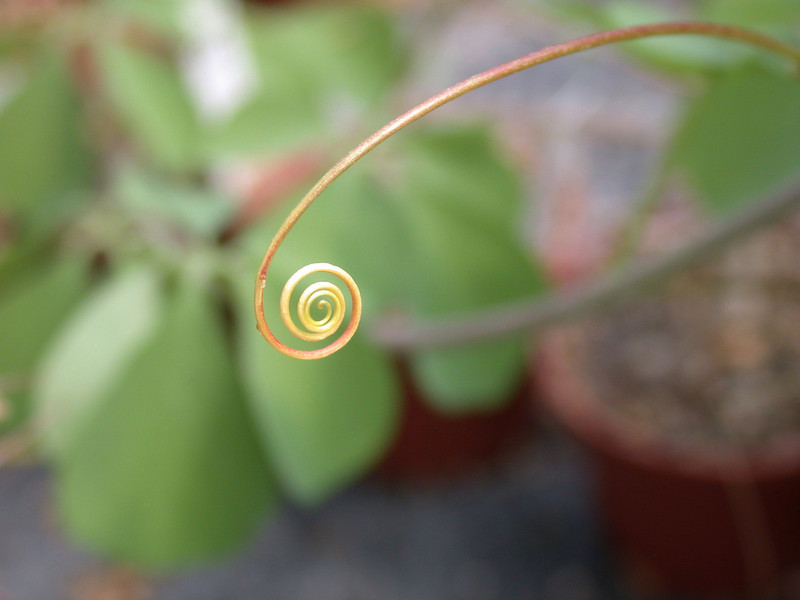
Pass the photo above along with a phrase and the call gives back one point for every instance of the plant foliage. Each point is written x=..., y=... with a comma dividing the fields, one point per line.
x=126, y=262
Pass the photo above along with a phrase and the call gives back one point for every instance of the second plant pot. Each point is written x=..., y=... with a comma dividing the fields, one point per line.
x=682, y=518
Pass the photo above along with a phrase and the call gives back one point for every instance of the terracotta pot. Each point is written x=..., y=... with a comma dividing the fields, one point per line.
x=683, y=518
x=430, y=444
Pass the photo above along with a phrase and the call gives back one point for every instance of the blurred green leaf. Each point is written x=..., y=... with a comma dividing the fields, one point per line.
x=92, y=351
x=31, y=310
x=780, y=17
x=324, y=421
x=161, y=15
x=32, y=306
x=461, y=204
x=355, y=225
x=167, y=469
x=43, y=156
x=315, y=64
x=686, y=54
x=16, y=42
x=443, y=240
x=472, y=378
x=153, y=103
x=268, y=123
x=568, y=10
x=741, y=137
x=198, y=210
x=18, y=260
x=672, y=53
x=353, y=48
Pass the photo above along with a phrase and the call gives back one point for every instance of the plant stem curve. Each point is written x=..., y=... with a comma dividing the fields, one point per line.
x=733, y=33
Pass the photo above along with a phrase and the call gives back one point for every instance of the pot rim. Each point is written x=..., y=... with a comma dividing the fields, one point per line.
x=565, y=394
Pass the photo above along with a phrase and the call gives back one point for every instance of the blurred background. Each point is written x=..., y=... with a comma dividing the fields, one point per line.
x=153, y=446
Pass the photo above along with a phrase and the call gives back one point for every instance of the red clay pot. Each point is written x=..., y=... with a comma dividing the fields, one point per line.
x=430, y=444
x=684, y=519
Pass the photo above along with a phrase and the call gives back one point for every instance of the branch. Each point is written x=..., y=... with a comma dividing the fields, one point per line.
x=534, y=315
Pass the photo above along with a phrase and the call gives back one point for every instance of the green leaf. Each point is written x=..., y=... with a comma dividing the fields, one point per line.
x=472, y=378
x=354, y=225
x=152, y=101
x=314, y=64
x=31, y=310
x=197, y=210
x=161, y=15
x=779, y=17
x=741, y=137
x=326, y=421
x=92, y=351
x=676, y=53
x=684, y=54
x=32, y=307
x=43, y=155
x=461, y=204
x=269, y=123
x=352, y=49
x=18, y=259
x=168, y=470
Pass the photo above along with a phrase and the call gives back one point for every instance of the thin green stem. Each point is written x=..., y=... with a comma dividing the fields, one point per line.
x=456, y=91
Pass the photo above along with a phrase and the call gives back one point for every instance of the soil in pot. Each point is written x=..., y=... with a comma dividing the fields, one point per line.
x=690, y=402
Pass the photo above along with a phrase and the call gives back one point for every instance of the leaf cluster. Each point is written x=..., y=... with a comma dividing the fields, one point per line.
x=126, y=273
x=127, y=342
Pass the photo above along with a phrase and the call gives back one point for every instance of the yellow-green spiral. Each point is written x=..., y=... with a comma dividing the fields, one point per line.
x=326, y=300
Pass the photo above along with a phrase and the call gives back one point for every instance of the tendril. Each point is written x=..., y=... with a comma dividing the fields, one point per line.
x=326, y=297
x=321, y=296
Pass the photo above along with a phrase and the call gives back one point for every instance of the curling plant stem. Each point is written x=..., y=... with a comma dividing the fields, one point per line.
x=447, y=333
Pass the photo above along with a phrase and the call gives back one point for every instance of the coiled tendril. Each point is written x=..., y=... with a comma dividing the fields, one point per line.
x=328, y=298
x=321, y=296
x=321, y=310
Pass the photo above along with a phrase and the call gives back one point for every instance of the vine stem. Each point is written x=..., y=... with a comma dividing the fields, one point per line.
x=456, y=91
x=533, y=315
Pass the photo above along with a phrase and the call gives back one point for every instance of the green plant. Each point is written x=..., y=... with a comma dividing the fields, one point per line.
x=125, y=323
x=173, y=428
